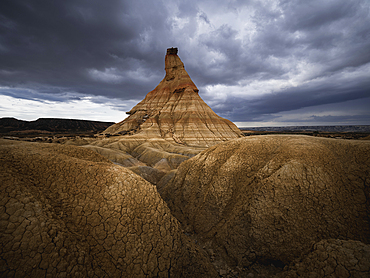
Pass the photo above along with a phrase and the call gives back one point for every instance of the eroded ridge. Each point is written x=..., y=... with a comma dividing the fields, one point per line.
x=269, y=198
x=68, y=211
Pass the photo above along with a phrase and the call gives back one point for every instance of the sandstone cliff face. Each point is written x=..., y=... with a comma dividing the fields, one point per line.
x=67, y=211
x=269, y=198
x=174, y=111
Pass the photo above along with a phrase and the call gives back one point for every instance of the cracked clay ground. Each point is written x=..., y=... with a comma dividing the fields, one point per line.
x=296, y=205
x=67, y=211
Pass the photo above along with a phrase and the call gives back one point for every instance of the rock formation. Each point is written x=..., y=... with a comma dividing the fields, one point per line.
x=168, y=127
x=67, y=211
x=175, y=112
x=269, y=198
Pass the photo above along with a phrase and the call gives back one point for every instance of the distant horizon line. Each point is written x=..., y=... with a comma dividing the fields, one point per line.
x=251, y=126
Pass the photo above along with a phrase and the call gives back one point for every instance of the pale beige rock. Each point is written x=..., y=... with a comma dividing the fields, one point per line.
x=152, y=175
x=136, y=151
x=174, y=111
x=269, y=198
x=116, y=156
x=70, y=212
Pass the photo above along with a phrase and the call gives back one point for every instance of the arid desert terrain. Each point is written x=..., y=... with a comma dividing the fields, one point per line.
x=174, y=190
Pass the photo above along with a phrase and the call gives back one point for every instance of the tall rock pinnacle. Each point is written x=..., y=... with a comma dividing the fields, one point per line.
x=175, y=111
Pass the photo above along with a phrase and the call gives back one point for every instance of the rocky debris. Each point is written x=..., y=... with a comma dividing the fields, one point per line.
x=175, y=112
x=267, y=199
x=68, y=211
x=332, y=258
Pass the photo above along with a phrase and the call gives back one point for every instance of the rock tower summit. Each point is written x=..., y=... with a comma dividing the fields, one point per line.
x=172, y=51
x=174, y=111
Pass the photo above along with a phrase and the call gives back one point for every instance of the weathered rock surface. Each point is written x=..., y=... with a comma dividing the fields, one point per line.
x=116, y=156
x=68, y=211
x=332, y=258
x=269, y=198
x=175, y=112
x=144, y=155
x=152, y=175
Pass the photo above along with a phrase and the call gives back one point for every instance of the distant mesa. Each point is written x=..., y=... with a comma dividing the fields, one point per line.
x=175, y=112
x=52, y=125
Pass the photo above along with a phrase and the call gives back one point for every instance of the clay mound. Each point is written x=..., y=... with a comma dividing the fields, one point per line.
x=174, y=111
x=119, y=157
x=144, y=155
x=68, y=211
x=332, y=258
x=269, y=198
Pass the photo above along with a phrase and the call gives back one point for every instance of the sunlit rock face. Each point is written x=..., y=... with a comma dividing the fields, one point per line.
x=270, y=198
x=175, y=112
x=67, y=211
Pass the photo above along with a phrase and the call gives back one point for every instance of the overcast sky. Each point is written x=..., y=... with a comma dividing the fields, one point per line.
x=256, y=63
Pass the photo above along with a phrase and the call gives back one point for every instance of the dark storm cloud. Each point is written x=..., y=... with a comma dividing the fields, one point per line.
x=313, y=52
x=331, y=33
x=309, y=95
x=56, y=42
x=41, y=94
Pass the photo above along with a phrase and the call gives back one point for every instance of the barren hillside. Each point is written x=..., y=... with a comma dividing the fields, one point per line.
x=68, y=211
x=268, y=199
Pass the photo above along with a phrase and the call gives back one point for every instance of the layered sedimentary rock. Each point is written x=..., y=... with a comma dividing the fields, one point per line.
x=168, y=127
x=269, y=198
x=175, y=112
x=67, y=211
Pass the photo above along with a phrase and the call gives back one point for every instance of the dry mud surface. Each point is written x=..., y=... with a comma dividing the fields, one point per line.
x=290, y=206
x=332, y=258
x=268, y=199
x=68, y=211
